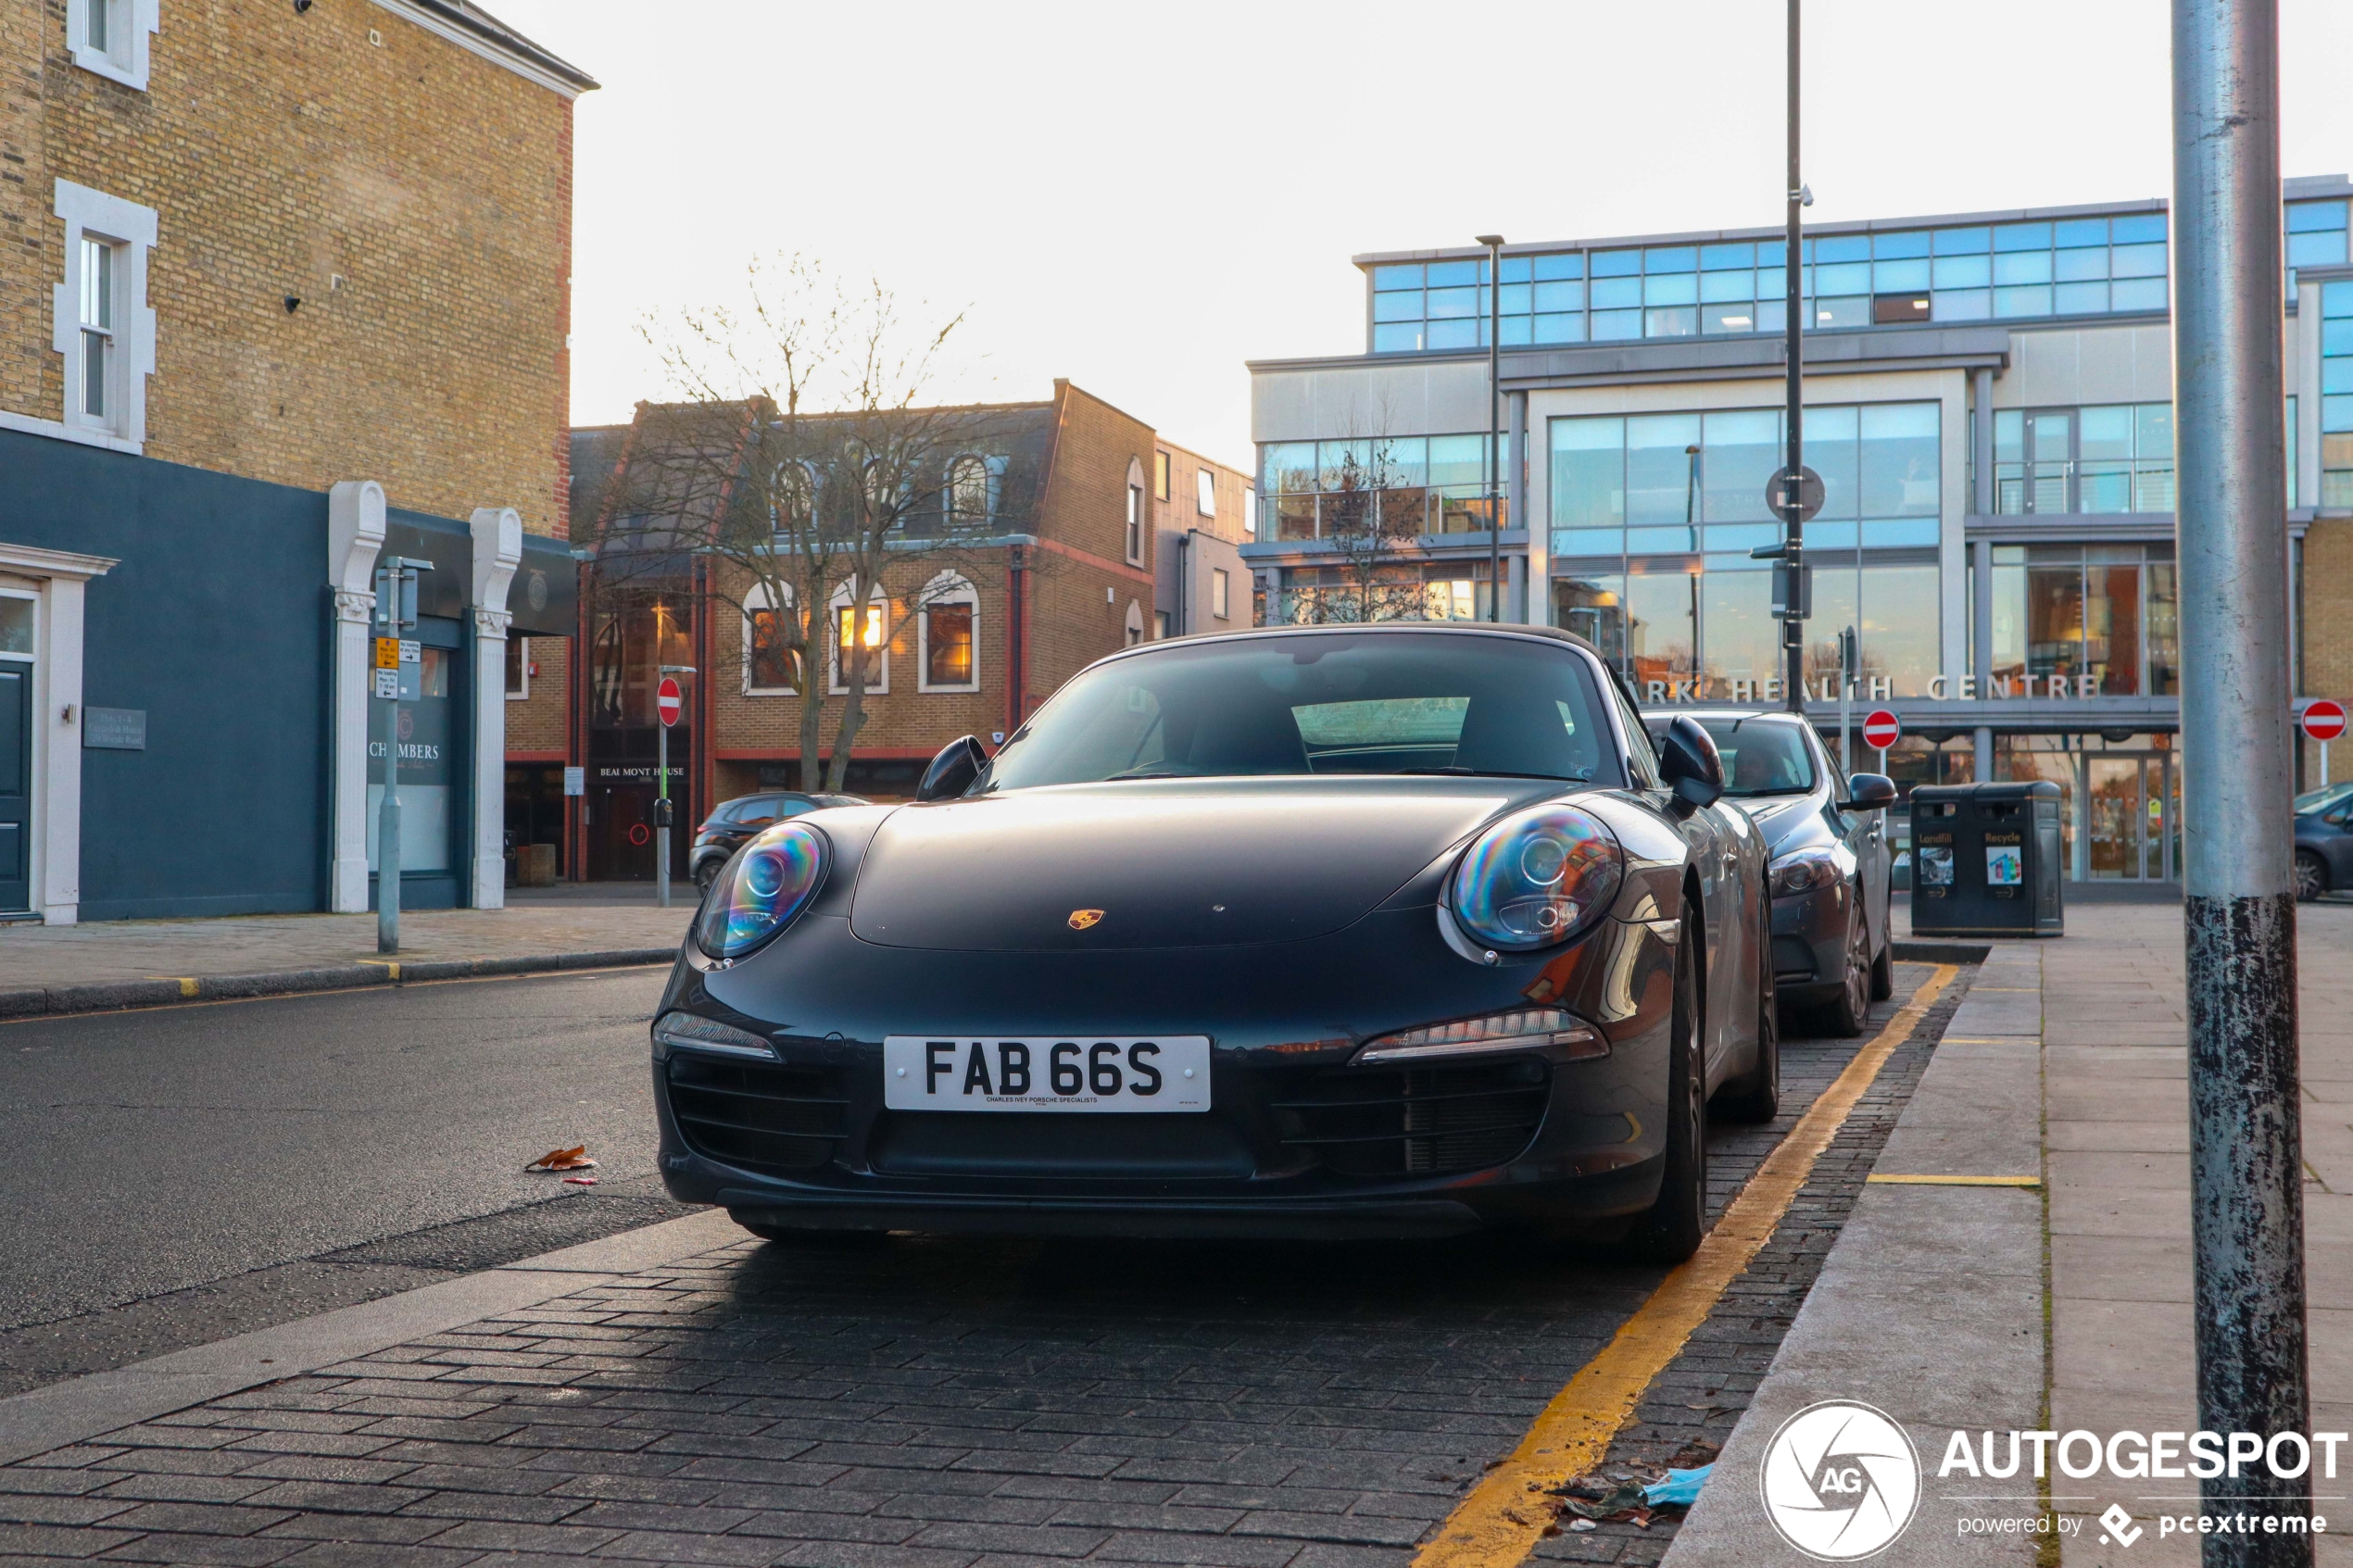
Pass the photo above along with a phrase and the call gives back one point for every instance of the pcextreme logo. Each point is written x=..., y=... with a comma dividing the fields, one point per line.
x=1841, y=1481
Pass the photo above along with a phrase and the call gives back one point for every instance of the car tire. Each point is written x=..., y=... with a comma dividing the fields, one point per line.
x=1756, y=1095
x=2311, y=876
x=1677, y=1222
x=707, y=873
x=1883, y=970
x=1847, y=1012
x=811, y=1241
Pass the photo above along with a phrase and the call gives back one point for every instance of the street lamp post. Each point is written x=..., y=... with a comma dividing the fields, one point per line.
x=2246, y=1164
x=1494, y=244
x=1794, y=542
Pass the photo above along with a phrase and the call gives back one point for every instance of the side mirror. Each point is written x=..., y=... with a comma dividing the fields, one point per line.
x=1690, y=763
x=953, y=771
x=1868, y=792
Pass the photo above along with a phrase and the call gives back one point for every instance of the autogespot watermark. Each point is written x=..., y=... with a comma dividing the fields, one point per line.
x=1842, y=1481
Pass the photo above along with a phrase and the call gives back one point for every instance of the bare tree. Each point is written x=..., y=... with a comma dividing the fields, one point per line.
x=800, y=466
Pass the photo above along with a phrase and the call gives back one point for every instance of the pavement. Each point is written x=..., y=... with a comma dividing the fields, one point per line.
x=105, y=964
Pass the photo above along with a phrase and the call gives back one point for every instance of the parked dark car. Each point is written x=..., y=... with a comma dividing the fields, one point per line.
x=1307, y=931
x=2323, y=843
x=733, y=823
x=1832, y=940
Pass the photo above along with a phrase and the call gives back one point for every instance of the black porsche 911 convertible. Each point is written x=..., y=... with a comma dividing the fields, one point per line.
x=1308, y=931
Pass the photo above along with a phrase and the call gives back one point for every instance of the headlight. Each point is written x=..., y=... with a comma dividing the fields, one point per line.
x=1534, y=880
x=1527, y=1028
x=762, y=890
x=1804, y=870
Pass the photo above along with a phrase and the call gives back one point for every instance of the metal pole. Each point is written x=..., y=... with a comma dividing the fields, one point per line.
x=2246, y=1166
x=1847, y=663
x=392, y=580
x=1494, y=244
x=1793, y=546
x=662, y=799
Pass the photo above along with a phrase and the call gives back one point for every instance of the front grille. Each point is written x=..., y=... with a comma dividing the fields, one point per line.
x=1417, y=1120
x=755, y=1117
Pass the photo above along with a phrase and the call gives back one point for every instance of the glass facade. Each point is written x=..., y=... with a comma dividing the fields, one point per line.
x=1680, y=484
x=2104, y=458
x=1968, y=272
x=2336, y=395
x=2101, y=619
x=1377, y=487
x=2315, y=236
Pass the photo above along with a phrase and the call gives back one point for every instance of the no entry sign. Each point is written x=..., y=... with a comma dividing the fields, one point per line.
x=667, y=702
x=1880, y=730
x=2325, y=721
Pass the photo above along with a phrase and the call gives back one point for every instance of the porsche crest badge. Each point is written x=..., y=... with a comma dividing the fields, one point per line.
x=1082, y=920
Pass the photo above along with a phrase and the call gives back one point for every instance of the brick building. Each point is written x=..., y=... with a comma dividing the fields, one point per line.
x=1203, y=513
x=282, y=286
x=978, y=628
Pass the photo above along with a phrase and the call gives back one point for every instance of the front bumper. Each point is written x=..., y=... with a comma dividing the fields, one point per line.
x=1298, y=1142
x=1809, y=942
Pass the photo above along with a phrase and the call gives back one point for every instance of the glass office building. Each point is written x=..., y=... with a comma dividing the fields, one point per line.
x=1989, y=404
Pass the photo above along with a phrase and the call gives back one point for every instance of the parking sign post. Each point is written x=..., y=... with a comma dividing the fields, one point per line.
x=2247, y=1153
x=398, y=661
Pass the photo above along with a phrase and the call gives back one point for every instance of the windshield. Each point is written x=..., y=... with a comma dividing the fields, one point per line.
x=2320, y=799
x=1349, y=703
x=1762, y=756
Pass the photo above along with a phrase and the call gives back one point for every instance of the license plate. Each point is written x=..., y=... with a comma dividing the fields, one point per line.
x=1127, y=1072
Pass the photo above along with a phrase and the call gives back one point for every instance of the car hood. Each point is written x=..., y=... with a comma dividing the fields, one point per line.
x=1788, y=821
x=1160, y=864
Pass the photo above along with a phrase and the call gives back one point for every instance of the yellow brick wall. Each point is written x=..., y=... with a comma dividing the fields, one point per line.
x=2328, y=634
x=281, y=151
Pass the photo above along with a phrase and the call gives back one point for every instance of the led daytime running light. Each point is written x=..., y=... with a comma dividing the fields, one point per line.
x=689, y=1032
x=1523, y=1029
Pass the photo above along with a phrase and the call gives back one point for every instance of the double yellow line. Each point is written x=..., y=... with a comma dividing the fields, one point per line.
x=1502, y=1518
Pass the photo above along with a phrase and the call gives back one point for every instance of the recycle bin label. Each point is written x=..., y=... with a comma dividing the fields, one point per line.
x=1935, y=876
x=2004, y=863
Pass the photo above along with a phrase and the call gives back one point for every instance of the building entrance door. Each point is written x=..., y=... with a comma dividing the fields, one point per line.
x=16, y=787
x=2132, y=818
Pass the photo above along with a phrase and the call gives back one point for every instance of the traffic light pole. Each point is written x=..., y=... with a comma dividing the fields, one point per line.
x=2246, y=1164
x=395, y=617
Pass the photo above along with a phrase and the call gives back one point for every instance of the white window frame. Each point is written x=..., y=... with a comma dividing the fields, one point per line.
x=127, y=23
x=1220, y=602
x=878, y=681
x=1204, y=492
x=127, y=229
x=948, y=588
x=759, y=598
x=521, y=645
x=1134, y=623
x=1135, y=540
x=989, y=472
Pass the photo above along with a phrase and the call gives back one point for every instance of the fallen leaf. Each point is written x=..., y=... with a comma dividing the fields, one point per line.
x=564, y=1159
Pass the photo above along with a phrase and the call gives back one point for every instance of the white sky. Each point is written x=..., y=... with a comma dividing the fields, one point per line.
x=1140, y=198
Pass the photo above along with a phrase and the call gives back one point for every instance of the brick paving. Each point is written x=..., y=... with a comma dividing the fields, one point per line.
x=930, y=1403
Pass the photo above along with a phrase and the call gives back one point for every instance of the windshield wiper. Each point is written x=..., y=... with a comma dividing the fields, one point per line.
x=1583, y=775
x=1153, y=770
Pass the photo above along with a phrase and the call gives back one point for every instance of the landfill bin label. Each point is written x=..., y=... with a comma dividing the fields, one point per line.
x=1934, y=875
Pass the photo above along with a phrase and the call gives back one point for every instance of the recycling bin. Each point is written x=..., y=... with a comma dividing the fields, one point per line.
x=1985, y=859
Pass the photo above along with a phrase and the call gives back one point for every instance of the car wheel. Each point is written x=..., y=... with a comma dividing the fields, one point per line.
x=1851, y=1009
x=707, y=873
x=2311, y=876
x=1672, y=1230
x=1756, y=1095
